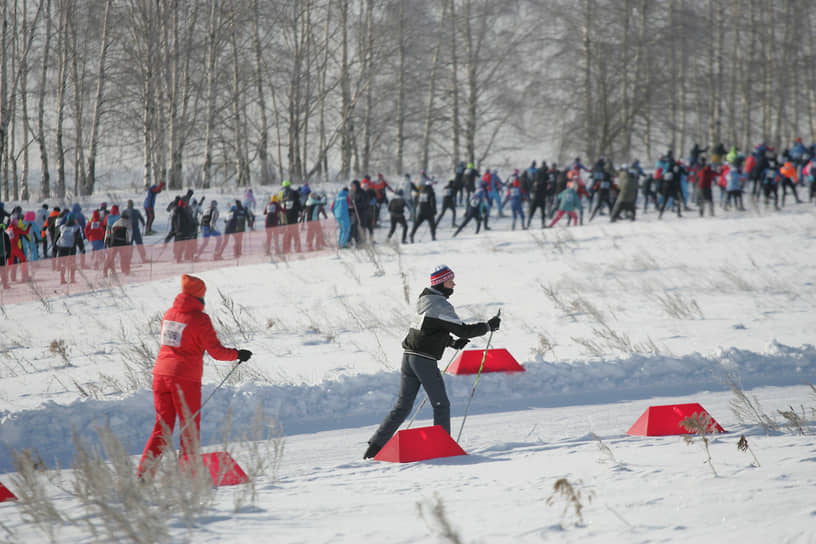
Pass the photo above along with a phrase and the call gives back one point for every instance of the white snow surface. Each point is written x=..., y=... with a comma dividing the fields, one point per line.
x=607, y=320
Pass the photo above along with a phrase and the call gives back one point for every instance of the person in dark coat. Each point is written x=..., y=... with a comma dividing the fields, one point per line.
x=448, y=203
x=149, y=206
x=183, y=230
x=359, y=213
x=435, y=328
x=426, y=210
x=236, y=224
x=671, y=189
x=5, y=251
x=538, y=195
x=476, y=209
x=627, y=181
x=396, y=209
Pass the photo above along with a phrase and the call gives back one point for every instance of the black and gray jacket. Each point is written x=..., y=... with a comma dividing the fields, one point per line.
x=436, y=320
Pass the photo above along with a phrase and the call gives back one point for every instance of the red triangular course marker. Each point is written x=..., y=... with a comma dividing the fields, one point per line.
x=222, y=468
x=497, y=360
x=6, y=494
x=418, y=445
x=665, y=420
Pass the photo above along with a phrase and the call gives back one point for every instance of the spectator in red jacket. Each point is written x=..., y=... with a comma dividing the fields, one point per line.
x=705, y=180
x=95, y=233
x=186, y=332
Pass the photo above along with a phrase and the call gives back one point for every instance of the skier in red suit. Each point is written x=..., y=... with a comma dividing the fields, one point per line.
x=186, y=332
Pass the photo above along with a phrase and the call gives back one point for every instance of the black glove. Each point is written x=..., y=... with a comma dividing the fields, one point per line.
x=460, y=343
x=244, y=355
x=494, y=322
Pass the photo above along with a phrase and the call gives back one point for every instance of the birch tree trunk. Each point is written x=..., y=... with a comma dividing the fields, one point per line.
x=263, y=130
x=62, y=75
x=454, y=85
x=676, y=88
x=767, y=81
x=241, y=163
x=306, y=94
x=785, y=88
x=345, y=85
x=209, y=136
x=735, y=64
x=400, y=106
x=90, y=181
x=429, y=108
x=811, y=85
x=323, y=162
x=147, y=119
x=10, y=170
x=25, y=193
x=78, y=80
x=472, y=60
x=45, y=184
x=746, y=78
x=5, y=106
x=368, y=70
x=170, y=64
x=589, y=120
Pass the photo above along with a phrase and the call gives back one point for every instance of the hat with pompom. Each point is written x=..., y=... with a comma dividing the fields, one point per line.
x=193, y=286
x=441, y=274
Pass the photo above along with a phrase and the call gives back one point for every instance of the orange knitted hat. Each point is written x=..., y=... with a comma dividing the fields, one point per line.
x=193, y=286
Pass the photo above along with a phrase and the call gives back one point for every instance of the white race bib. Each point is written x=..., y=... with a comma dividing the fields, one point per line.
x=171, y=333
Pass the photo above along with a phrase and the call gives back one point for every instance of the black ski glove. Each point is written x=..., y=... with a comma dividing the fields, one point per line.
x=494, y=322
x=244, y=355
x=460, y=343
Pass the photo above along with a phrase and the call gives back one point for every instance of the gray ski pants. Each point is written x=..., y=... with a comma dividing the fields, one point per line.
x=416, y=370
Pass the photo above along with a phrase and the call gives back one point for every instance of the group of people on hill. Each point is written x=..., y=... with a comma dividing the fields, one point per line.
x=57, y=232
x=555, y=192
x=544, y=189
x=62, y=232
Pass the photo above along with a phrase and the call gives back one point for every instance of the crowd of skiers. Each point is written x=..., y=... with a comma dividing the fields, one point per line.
x=554, y=192
x=56, y=232
x=545, y=189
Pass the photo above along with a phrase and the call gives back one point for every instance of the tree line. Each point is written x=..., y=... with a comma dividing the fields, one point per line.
x=212, y=92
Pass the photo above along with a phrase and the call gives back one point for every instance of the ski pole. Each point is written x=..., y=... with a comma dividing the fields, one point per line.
x=478, y=375
x=416, y=412
x=217, y=387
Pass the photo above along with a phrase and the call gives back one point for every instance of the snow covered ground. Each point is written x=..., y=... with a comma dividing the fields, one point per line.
x=607, y=319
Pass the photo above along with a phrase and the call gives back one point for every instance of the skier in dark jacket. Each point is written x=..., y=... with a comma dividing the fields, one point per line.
x=671, y=189
x=538, y=196
x=459, y=182
x=359, y=213
x=477, y=209
x=448, y=203
x=396, y=209
x=471, y=175
x=292, y=209
x=236, y=224
x=150, y=204
x=5, y=251
x=602, y=185
x=183, y=230
x=427, y=210
x=424, y=345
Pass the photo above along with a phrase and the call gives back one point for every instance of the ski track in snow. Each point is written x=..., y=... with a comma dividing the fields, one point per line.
x=360, y=400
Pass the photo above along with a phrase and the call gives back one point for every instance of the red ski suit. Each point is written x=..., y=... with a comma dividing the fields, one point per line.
x=186, y=333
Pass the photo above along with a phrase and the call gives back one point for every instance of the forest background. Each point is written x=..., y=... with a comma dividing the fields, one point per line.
x=97, y=94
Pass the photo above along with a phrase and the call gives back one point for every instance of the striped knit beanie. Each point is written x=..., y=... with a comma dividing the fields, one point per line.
x=440, y=275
